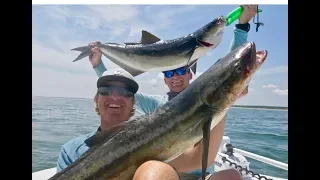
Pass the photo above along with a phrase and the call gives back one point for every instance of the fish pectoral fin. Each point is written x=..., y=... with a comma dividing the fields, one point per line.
x=193, y=67
x=104, y=135
x=148, y=38
x=205, y=149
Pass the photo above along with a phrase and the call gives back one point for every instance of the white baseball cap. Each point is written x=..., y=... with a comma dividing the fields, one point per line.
x=121, y=75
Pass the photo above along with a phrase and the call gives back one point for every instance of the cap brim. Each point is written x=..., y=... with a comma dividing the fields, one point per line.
x=132, y=85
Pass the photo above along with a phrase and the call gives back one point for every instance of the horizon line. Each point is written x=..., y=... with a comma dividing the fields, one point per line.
x=243, y=105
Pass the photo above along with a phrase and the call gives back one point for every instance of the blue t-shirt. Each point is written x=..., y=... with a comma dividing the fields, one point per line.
x=72, y=150
x=145, y=104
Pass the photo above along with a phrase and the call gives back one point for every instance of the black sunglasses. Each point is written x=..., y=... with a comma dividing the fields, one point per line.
x=108, y=90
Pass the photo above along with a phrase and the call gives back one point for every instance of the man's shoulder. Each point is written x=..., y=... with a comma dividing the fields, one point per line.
x=159, y=98
x=77, y=142
x=146, y=103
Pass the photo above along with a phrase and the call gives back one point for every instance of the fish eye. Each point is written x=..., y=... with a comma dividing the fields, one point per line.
x=239, y=69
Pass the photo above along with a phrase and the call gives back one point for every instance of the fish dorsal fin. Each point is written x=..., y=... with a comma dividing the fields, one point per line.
x=105, y=135
x=148, y=38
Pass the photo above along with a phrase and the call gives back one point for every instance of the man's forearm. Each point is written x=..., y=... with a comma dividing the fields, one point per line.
x=239, y=37
x=100, y=69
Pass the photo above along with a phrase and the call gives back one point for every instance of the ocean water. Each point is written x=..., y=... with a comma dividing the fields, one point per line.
x=57, y=120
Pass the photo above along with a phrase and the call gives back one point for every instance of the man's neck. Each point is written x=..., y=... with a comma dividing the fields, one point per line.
x=103, y=125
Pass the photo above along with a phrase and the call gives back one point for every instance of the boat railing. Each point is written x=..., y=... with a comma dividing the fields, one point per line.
x=45, y=174
x=263, y=159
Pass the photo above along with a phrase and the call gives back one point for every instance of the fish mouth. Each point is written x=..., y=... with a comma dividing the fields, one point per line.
x=261, y=56
x=256, y=56
x=259, y=59
x=221, y=21
x=254, y=59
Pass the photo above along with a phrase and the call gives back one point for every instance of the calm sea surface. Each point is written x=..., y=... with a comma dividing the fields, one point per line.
x=57, y=120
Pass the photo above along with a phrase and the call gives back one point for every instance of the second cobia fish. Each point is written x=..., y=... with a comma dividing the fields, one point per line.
x=164, y=134
x=153, y=54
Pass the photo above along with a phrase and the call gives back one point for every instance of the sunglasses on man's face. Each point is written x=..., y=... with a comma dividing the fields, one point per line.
x=179, y=72
x=108, y=90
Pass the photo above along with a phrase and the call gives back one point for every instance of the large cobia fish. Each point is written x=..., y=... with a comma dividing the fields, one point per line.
x=153, y=54
x=167, y=132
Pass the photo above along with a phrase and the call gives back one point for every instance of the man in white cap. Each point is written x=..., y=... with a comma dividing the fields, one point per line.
x=115, y=100
x=114, y=104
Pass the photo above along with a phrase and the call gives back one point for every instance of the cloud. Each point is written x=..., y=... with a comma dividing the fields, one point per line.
x=59, y=13
x=276, y=90
x=48, y=82
x=112, y=21
x=91, y=17
x=153, y=81
x=209, y=54
x=269, y=86
x=160, y=75
x=110, y=13
x=281, y=92
x=272, y=70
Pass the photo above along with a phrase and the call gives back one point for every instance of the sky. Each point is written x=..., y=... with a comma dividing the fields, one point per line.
x=58, y=28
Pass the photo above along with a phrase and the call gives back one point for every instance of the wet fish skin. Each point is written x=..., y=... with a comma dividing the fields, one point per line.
x=153, y=54
x=172, y=128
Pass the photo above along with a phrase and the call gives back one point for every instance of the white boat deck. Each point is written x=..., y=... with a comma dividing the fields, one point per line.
x=44, y=174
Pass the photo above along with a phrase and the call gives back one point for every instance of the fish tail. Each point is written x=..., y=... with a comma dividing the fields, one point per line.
x=85, y=51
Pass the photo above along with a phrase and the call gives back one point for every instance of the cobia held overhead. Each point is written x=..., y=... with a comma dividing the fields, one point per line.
x=167, y=132
x=154, y=54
